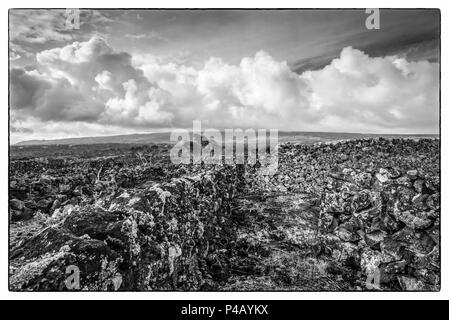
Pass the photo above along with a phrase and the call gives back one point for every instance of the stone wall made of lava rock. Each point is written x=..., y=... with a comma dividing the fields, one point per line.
x=306, y=168
x=380, y=206
x=385, y=226
x=164, y=237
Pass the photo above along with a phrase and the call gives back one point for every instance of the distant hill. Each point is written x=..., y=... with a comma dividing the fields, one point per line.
x=141, y=138
x=164, y=137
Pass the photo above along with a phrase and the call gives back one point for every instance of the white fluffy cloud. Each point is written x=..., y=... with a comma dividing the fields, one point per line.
x=354, y=92
x=88, y=81
x=92, y=83
x=104, y=80
x=258, y=92
x=140, y=104
x=362, y=93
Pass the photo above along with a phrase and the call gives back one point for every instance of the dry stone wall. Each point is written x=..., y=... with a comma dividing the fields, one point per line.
x=166, y=237
x=379, y=207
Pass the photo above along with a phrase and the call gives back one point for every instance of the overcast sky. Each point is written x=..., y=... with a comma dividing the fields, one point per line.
x=129, y=71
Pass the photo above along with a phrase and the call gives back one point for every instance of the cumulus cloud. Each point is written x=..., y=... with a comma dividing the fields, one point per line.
x=87, y=81
x=139, y=104
x=354, y=92
x=260, y=91
x=104, y=80
x=377, y=94
x=36, y=94
x=90, y=82
x=27, y=87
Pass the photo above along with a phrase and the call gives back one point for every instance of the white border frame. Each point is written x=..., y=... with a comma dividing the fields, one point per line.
x=5, y=294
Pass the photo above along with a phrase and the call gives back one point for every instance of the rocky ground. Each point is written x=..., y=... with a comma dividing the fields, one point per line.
x=278, y=241
x=354, y=215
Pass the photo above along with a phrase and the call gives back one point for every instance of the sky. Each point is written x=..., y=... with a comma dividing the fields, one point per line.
x=130, y=71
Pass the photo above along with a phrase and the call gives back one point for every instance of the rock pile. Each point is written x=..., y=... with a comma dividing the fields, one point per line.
x=384, y=225
x=305, y=168
x=380, y=206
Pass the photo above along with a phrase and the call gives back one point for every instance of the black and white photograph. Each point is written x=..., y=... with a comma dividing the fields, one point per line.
x=224, y=150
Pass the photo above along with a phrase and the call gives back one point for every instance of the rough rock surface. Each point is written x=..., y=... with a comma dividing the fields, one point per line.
x=158, y=238
x=390, y=218
x=332, y=217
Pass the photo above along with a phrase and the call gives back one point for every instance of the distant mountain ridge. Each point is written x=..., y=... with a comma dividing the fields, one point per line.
x=164, y=137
